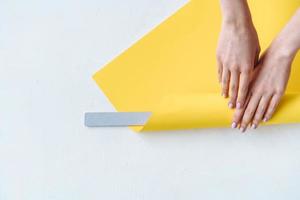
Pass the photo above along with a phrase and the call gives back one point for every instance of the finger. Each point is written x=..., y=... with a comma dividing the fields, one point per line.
x=238, y=114
x=234, y=82
x=249, y=112
x=272, y=107
x=243, y=89
x=225, y=82
x=261, y=110
x=220, y=69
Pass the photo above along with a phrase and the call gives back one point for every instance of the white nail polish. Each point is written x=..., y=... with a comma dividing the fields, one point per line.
x=233, y=125
x=242, y=129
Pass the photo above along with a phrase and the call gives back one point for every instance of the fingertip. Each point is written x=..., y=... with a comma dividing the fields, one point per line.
x=237, y=117
x=230, y=105
x=225, y=95
x=272, y=108
x=254, y=126
x=243, y=129
x=265, y=119
x=242, y=99
x=234, y=125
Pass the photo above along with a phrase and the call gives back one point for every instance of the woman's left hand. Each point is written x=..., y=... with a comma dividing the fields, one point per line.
x=268, y=86
x=270, y=78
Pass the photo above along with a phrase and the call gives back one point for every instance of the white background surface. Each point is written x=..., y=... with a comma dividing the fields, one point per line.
x=48, y=52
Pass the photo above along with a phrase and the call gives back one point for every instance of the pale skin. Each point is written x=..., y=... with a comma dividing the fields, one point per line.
x=254, y=85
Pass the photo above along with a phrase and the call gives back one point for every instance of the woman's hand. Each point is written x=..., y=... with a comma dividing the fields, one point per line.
x=270, y=78
x=266, y=90
x=237, y=52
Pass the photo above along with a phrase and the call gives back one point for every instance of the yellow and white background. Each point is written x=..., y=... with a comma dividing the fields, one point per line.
x=49, y=51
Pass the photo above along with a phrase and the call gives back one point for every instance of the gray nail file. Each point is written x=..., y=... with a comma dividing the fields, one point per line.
x=107, y=119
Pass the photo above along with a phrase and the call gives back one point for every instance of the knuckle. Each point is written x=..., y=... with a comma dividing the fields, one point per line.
x=246, y=118
x=244, y=87
x=280, y=91
x=233, y=87
x=233, y=97
x=257, y=116
x=244, y=123
x=246, y=70
x=227, y=64
x=268, y=116
x=256, y=120
x=218, y=56
x=272, y=109
x=233, y=67
x=260, y=111
x=248, y=64
x=243, y=93
x=249, y=114
x=237, y=115
x=225, y=82
x=236, y=119
x=242, y=98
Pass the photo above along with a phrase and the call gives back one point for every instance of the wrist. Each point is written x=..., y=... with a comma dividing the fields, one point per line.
x=238, y=23
x=285, y=47
x=236, y=12
x=288, y=40
x=282, y=50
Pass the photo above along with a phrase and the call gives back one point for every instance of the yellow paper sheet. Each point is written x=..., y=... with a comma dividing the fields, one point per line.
x=171, y=72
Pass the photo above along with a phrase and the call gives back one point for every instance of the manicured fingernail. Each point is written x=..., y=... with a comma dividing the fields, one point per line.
x=238, y=105
x=265, y=119
x=254, y=126
x=243, y=129
x=230, y=105
x=233, y=125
